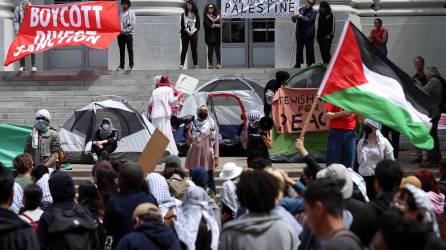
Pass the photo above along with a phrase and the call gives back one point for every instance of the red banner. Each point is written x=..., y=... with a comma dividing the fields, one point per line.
x=94, y=24
x=291, y=107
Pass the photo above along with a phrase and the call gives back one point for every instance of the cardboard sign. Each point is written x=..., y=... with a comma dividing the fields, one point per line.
x=291, y=106
x=258, y=8
x=94, y=24
x=186, y=84
x=153, y=152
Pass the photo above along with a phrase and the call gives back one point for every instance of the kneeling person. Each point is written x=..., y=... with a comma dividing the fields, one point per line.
x=105, y=139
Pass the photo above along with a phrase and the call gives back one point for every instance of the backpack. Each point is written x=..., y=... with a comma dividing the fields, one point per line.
x=34, y=223
x=177, y=187
x=73, y=229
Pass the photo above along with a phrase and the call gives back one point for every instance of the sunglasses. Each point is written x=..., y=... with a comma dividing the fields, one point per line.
x=310, y=3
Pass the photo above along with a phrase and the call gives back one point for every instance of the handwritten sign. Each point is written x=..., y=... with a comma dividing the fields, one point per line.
x=290, y=108
x=258, y=8
x=186, y=84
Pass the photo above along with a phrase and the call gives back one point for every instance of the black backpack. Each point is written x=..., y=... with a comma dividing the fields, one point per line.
x=73, y=229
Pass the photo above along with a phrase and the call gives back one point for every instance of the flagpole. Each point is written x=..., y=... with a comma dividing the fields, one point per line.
x=307, y=120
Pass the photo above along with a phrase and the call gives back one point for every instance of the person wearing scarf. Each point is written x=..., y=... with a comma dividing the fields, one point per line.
x=256, y=141
x=105, y=139
x=212, y=29
x=196, y=227
x=202, y=138
x=372, y=148
x=160, y=102
x=43, y=144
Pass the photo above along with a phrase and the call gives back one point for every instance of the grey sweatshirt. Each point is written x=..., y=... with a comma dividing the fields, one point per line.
x=128, y=22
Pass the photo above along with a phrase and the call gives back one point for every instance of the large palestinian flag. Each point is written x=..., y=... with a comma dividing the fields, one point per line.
x=361, y=80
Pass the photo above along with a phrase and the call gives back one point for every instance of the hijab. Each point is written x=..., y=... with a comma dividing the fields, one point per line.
x=380, y=139
x=106, y=128
x=203, y=127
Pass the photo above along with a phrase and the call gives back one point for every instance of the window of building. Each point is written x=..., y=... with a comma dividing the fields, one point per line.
x=263, y=30
x=234, y=30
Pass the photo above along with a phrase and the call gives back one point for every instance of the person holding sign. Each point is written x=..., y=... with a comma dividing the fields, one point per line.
x=305, y=32
x=255, y=140
x=190, y=25
x=19, y=14
x=212, y=28
x=128, y=22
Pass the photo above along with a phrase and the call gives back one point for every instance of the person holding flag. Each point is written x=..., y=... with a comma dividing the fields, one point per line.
x=19, y=14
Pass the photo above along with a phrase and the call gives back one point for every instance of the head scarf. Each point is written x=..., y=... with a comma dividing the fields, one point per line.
x=105, y=130
x=380, y=140
x=159, y=188
x=228, y=196
x=195, y=204
x=424, y=204
x=203, y=128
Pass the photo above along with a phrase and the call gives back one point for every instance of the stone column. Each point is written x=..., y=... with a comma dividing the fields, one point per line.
x=6, y=31
x=156, y=42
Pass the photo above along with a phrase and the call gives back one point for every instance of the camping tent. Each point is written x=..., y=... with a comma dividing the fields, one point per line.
x=134, y=130
x=227, y=98
x=12, y=142
x=283, y=144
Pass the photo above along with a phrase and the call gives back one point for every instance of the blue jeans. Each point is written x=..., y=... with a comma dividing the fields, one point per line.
x=341, y=147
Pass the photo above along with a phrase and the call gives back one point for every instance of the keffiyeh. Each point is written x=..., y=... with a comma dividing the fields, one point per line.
x=159, y=188
x=228, y=196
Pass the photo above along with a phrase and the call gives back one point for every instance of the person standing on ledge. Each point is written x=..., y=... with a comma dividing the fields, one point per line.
x=305, y=32
x=190, y=25
x=128, y=22
x=325, y=30
x=378, y=36
x=212, y=28
x=19, y=14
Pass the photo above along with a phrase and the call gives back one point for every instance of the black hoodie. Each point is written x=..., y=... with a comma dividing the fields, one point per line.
x=15, y=233
x=152, y=235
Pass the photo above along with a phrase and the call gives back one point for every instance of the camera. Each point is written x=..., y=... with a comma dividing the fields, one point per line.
x=176, y=122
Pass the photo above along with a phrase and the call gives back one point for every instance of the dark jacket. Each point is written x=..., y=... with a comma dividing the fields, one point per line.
x=360, y=212
x=211, y=35
x=15, y=233
x=152, y=235
x=111, y=139
x=305, y=25
x=183, y=24
x=119, y=211
x=325, y=27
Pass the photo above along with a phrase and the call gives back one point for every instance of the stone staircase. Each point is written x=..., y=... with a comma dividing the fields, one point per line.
x=62, y=92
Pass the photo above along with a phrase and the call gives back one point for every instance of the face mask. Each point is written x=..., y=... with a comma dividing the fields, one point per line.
x=105, y=126
x=202, y=115
x=42, y=126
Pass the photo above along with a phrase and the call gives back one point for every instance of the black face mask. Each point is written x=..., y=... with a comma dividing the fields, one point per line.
x=202, y=115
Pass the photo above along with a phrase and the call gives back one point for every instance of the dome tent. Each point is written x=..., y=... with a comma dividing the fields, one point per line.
x=134, y=130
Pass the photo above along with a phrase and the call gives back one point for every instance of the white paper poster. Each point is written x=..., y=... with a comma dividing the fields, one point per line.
x=186, y=84
x=258, y=8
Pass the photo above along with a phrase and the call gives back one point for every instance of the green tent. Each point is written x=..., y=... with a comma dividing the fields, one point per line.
x=283, y=144
x=12, y=141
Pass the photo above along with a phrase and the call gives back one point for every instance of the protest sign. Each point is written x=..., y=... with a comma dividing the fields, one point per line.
x=186, y=84
x=258, y=8
x=153, y=151
x=291, y=107
x=94, y=24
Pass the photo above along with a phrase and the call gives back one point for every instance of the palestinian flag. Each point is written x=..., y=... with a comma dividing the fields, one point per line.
x=361, y=80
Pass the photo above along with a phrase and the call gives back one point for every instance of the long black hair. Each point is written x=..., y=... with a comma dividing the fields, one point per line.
x=194, y=8
x=326, y=6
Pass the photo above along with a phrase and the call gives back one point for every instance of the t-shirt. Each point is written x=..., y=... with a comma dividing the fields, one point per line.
x=343, y=240
x=346, y=123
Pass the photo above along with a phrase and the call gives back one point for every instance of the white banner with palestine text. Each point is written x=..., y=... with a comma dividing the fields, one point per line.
x=258, y=8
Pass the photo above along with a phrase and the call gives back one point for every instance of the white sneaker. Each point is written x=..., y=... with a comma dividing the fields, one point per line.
x=129, y=68
x=34, y=69
x=21, y=69
x=119, y=68
x=196, y=67
x=181, y=66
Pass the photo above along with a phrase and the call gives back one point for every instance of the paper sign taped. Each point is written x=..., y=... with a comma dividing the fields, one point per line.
x=186, y=84
x=153, y=152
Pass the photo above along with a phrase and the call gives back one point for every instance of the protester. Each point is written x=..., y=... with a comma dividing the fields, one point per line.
x=23, y=164
x=324, y=208
x=160, y=101
x=40, y=176
x=257, y=191
x=256, y=140
x=88, y=197
x=169, y=206
x=43, y=143
x=378, y=36
x=149, y=231
x=133, y=190
x=372, y=148
x=57, y=229
x=196, y=227
x=128, y=23
x=325, y=30
x=228, y=196
x=305, y=32
x=435, y=88
x=341, y=143
x=420, y=76
x=105, y=139
x=202, y=138
x=176, y=177
x=106, y=182
x=260, y=163
x=212, y=24
x=190, y=25
x=15, y=234
x=31, y=212
x=19, y=14
x=271, y=88
x=176, y=106
x=294, y=205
